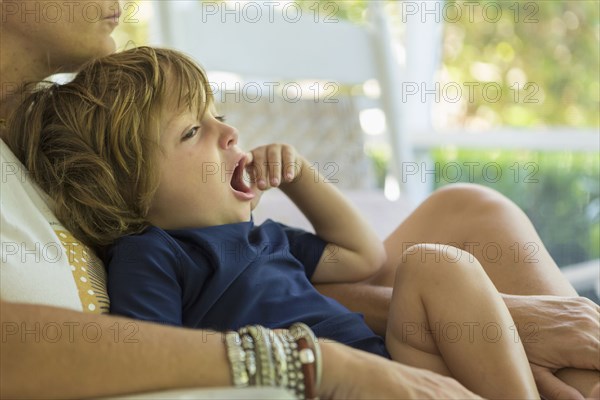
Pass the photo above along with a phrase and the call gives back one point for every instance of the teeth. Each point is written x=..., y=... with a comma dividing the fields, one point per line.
x=246, y=177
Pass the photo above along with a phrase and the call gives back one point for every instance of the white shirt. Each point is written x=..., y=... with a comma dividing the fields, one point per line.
x=40, y=261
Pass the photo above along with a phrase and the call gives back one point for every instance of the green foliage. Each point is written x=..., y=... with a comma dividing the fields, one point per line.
x=542, y=54
x=548, y=49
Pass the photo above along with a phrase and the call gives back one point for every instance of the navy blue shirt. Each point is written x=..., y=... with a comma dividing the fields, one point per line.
x=228, y=276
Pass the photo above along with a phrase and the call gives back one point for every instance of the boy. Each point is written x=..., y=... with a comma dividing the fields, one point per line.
x=142, y=169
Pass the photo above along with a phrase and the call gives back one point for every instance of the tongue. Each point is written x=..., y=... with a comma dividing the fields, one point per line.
x=238, y=180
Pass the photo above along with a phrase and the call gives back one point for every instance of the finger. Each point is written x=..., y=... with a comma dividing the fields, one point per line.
x=274, y=160
x=257, y=170
x=289, y=163
x=249, y=177
x=252, y=180
x=595, y=394
x=552, y=388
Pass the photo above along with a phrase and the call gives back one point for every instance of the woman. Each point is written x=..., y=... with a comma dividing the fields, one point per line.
x=40, y=38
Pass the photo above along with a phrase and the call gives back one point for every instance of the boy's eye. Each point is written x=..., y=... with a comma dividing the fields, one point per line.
x=220, y=118
x=191, y=133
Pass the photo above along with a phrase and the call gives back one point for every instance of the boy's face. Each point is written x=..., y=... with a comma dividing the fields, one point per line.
x=201, y=166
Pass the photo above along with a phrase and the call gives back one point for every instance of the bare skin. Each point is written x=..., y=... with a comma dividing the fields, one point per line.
x=447, y=317
x=429, y=290
x=475, y=219
x=134, y=357
x=29, y=53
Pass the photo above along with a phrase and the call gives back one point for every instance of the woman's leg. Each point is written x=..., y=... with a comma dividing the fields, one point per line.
x=447, y=316
x=498, y=233
x=489, y=226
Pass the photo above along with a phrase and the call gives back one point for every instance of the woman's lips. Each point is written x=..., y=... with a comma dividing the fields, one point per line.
x=114, y=18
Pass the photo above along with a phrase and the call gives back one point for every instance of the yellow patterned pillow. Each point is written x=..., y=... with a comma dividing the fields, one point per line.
x=88, y=273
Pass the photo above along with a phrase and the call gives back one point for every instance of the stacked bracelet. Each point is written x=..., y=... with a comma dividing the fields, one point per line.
x=237, y=359
x=261, y=357
x=309, y=356
x=248, y=346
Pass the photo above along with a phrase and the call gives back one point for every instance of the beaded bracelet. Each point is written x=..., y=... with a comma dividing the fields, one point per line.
x=281, y=365
x=251, y=369
x=261, y=357
x=309, y=356
x=237, y=357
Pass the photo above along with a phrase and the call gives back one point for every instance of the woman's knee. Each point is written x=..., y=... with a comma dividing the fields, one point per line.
x=469, y=198
x=438, y=264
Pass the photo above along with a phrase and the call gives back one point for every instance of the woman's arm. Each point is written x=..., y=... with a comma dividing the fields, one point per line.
x=49, y=352
x=370, y=300
x=355, y=374
x=556, y=332
x=107, y=356
x=354, y=251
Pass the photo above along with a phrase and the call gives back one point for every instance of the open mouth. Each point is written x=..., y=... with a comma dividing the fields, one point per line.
x=240, y=179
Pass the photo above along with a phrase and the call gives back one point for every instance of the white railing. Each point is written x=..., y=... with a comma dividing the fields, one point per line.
x=552, y=139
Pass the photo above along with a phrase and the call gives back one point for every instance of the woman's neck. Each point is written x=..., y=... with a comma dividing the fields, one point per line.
x=19, y=63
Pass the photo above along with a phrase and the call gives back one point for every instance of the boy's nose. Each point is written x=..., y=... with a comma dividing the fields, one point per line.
x=229, y=136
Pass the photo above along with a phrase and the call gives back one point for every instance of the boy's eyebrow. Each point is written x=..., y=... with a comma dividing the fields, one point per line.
x=170, y=124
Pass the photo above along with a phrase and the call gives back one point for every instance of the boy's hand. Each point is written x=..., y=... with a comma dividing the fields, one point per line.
x=357, y=248
x=272, y=165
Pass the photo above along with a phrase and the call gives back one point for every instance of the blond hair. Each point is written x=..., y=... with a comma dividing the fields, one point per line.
x=92, y=144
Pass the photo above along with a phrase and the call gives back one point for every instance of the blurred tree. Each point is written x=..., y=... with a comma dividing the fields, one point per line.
x=544, y=56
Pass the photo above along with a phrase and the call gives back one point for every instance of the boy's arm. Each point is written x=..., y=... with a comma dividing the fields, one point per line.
x=354, y=252
x=143, y=279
